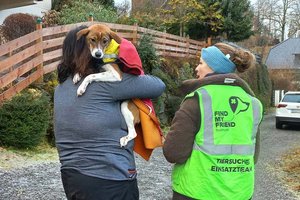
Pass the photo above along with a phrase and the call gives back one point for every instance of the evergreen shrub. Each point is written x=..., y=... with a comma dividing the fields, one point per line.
x=78, y=11
x=260, y=82
x=24, y=119
x=48, y=86
x=148, y=55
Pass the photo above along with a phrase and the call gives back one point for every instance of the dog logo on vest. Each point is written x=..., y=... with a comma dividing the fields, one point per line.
x=237, y=105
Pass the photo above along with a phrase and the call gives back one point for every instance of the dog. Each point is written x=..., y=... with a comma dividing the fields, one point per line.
x=98, y=38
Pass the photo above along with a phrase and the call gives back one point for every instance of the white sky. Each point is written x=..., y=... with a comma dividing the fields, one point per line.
x=121, y=2
x=253, y=1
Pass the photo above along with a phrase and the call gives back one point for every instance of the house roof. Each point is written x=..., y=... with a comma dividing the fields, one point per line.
x=285, y=55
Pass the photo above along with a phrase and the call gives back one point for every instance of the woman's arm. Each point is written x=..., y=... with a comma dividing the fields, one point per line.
x=132, y=86
x=180, y=139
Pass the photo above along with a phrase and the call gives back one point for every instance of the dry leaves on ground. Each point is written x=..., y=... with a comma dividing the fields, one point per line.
x=290, y=165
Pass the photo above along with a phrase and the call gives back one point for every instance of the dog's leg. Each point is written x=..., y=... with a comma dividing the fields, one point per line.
x=76, y=78
x=109, y=75
x=129, y=119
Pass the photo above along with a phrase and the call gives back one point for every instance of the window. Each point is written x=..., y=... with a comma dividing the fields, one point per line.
x=297, y=60
x=293, y=98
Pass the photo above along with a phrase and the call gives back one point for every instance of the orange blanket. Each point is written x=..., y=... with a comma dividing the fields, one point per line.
x=149, y=134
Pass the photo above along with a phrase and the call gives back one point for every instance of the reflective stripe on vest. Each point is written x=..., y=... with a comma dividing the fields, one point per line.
x=208, y=145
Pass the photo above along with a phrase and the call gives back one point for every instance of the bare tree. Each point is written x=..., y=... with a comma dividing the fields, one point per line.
x=294, y=22
x=275, y=15
x=282, y=19
x=264, y=10
x=124, y=8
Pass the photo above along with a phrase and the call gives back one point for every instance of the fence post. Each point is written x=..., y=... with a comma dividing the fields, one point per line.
x=11, y=68
x=198, y=50
x=91, y=17
x=188, y=45
x=208, y=42
x=40, y=40
x=164, y=42
x=134, y=34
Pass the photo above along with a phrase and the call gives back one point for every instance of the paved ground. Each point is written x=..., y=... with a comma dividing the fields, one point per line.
x=42, y=181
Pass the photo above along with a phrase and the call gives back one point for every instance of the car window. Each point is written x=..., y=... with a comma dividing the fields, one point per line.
x=294, y=98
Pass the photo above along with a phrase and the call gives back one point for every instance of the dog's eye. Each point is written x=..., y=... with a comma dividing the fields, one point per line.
x=93, y=40
x=105, y=41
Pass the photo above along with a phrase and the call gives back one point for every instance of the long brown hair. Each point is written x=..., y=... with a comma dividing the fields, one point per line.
x=242, y=59
x=67, y=65
x=76, y=57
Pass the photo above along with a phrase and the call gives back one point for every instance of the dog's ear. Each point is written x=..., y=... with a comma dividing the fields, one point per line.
x=82, y=32
x=114, y=36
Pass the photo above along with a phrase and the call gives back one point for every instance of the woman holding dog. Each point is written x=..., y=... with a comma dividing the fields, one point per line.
x=214, y=136
x=88, y=129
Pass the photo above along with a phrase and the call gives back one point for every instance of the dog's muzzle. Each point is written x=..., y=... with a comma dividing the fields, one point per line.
x=97, y=53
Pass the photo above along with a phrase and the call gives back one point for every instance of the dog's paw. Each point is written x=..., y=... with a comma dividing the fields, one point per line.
x=124, y=140
x=81, y=89
x=80, y=92
x=76, y=78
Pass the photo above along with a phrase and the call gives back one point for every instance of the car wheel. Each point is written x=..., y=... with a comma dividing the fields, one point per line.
x=278, y=124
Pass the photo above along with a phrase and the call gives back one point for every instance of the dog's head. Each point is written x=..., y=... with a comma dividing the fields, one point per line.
x=98, y=37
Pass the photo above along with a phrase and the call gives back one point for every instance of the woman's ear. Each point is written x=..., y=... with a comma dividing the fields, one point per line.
x=114, y=36
x=82, y=32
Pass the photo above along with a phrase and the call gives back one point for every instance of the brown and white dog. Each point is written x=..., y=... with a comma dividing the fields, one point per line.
x=98, y=38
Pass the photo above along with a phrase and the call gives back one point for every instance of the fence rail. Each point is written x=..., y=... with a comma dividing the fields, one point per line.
x=28, y=58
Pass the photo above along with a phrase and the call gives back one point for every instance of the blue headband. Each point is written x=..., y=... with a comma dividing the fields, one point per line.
x=217, y=61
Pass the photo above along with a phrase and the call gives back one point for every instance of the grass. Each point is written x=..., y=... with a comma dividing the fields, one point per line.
x=15, y=158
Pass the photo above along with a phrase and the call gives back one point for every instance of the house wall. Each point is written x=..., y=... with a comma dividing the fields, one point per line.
x=297, y=60
x=284, y=55
x=7, y=4
x=36, y=9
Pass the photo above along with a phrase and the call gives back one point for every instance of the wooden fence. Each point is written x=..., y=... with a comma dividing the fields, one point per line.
x=28, y=58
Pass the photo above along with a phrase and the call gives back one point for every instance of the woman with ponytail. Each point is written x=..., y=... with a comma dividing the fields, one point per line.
x=214, y=136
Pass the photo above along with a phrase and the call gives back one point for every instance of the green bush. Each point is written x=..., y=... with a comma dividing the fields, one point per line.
x=24, y=119
x=48, y=85
x=186, y=71
x=259, y=81
x=78, y=11
x=58, y=4
x=151, y=20
x=147, y=52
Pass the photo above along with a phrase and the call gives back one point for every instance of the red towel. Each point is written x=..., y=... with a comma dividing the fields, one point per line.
x=129, y=56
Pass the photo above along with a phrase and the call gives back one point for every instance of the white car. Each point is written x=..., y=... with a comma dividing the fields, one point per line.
x=288, y=110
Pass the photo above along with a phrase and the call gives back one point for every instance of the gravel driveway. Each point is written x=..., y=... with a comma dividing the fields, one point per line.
x=273, y=144
x=42, y=181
